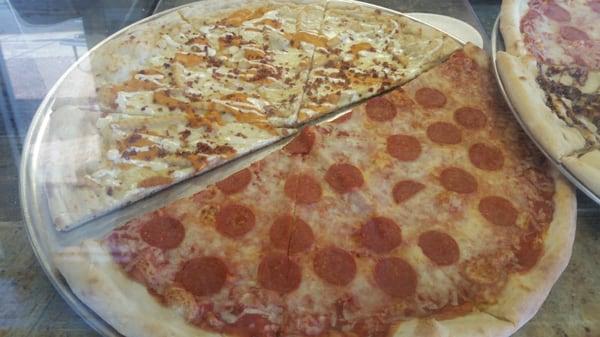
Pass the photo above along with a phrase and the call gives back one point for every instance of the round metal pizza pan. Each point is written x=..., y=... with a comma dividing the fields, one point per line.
x=498, y=45
x=44, y=239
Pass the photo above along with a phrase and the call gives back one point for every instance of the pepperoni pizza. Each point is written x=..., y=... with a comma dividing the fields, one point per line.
x=551, y=70
x=422, y=212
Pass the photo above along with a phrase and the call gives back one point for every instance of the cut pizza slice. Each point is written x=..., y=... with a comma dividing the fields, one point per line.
x=367, y=51
x=147, y=45
x=130, y=156
x=265, y=49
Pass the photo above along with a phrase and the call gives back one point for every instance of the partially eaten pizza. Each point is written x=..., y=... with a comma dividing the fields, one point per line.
x=421, y=212
x=551, y=71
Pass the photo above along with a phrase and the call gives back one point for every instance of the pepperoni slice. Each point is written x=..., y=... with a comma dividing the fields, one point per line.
x=343, y=178
x=406, y=189
x=444, y=133
x=557, y=13
x=278, y=273
x=303, y=142
x=335, y=266
x=291, y=234
x=236, y=182
x=439, y=247
x=234, y=220
x=380, y=109
x=430, y=98
x=458, y=180
x=403, y=147
x=395, y=277
x=498, y=211
x=163, y=232
x=202, y=276
x=343, y=117
x=529, y=250
x=470, y=118
x=486, y=157
x=570, y=33
x=380, y=235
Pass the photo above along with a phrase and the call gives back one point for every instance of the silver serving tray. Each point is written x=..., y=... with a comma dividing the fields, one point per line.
x=498, y=45
x=46, y=241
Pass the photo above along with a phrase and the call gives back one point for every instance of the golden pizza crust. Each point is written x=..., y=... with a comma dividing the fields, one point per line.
x=519, y=78
x=511, y=13
x=524, y=293
x=475, y=324
x=586, y=167
x=124, y=304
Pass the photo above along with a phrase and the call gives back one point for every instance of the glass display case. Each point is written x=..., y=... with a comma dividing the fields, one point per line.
x=40, y=40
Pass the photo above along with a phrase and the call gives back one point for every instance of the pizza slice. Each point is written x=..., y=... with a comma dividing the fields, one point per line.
x=148, y=44
x=123, y=158
x=422, y=211
x=367, y=51
x=265, y=49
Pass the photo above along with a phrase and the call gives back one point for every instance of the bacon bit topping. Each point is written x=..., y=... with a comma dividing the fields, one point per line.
x=154, y=181
x=214, y=62
x=219, y=149
x=153, y=153
x=230, y=40
x=134, y=140
x=185, y=134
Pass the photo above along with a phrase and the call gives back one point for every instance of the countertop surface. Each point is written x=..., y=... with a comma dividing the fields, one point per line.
x=38, y=42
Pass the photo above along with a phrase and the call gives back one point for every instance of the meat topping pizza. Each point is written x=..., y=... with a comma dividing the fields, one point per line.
x=551, y=69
